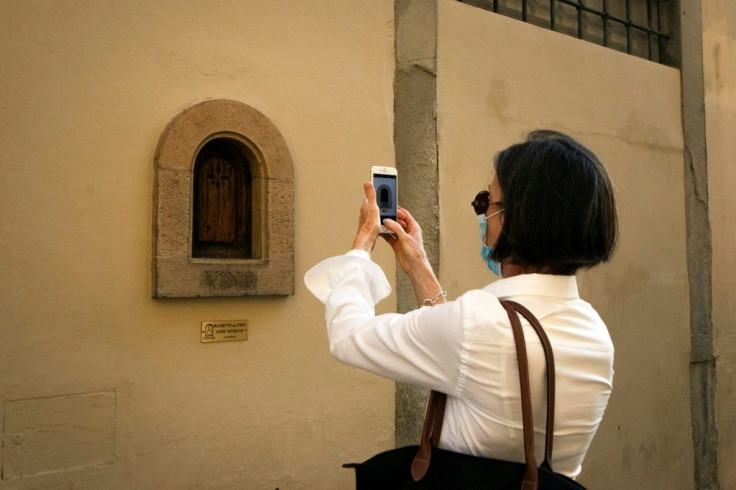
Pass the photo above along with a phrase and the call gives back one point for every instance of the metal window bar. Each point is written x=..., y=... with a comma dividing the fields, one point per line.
x=628, y=26
x=652, y=30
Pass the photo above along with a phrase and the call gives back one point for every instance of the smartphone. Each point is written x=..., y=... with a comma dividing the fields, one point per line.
x=385, y=183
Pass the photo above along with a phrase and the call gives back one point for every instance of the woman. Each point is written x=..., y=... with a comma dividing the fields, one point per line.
x=549, y=211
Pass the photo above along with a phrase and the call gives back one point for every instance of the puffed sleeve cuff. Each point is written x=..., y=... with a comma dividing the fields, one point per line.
x=323, y=277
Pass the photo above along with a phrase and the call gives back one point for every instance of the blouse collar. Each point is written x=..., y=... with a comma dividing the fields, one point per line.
x=535, y=285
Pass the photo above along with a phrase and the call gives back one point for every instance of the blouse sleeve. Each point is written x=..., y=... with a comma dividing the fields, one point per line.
x=423, y=347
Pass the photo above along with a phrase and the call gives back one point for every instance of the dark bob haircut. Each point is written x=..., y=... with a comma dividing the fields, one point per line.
x=559, y=209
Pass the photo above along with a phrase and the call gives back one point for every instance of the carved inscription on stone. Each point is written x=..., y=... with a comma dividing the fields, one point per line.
x=228, y=280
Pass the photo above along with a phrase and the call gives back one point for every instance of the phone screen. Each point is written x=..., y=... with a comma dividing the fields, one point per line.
x=385, y=186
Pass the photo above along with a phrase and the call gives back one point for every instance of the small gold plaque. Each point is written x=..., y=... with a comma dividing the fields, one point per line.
x=224, y=330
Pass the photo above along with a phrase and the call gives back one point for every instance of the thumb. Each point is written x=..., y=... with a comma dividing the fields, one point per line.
x=393, y=227
x=370, y=192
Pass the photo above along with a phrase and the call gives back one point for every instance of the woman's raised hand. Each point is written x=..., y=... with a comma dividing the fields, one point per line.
x=369, y=221
x=405, y=238
x=406, y=241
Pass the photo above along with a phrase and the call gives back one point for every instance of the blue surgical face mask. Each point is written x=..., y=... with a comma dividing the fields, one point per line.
x=485, y=250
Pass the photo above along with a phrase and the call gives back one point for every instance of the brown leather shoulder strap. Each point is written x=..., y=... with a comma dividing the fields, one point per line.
x=531, y=474
x=431, y=432
x=550, y=360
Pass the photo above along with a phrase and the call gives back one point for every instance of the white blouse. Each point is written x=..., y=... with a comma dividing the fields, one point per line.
x=465, y=348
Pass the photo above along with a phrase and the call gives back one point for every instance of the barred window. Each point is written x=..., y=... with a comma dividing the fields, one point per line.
x=630, y=26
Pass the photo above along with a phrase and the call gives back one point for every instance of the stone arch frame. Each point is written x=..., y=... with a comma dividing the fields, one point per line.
x=175, y=272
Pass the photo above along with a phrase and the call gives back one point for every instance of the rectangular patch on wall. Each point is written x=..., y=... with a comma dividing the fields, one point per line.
x=47, y=435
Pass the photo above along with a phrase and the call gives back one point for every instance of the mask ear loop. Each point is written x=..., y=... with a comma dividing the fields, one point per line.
x=493, y=214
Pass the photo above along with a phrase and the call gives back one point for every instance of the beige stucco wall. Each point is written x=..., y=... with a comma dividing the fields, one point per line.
x=719, y=67
x=87, y=88
x=498, y=78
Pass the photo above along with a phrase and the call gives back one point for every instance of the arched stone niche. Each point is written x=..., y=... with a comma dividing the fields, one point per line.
x=223, y=205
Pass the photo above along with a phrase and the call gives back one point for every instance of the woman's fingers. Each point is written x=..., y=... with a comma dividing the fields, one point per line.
x=394, y=227
x=405, y=215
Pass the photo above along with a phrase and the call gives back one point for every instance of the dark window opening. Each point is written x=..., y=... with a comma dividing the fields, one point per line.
x=223, y=207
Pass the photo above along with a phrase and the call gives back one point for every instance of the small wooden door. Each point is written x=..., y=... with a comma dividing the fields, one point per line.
x=222, y=201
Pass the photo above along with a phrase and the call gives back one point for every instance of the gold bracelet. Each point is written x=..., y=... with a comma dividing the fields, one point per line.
x=432, y=301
